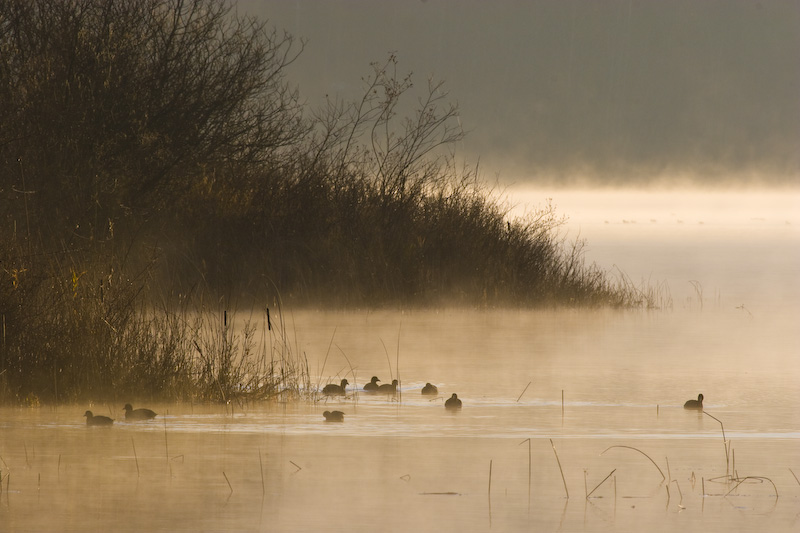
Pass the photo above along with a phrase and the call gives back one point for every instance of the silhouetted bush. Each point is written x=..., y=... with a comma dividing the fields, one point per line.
x=154, y=159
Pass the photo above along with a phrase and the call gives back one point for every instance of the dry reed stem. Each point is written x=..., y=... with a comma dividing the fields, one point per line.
x=136, y=458
x=724, y=443
x=388, y=360
x=663, y=477
x=598, y=485
x=529, y=468
x=229, y=483
x=397, y=365
x=559, y=468
x=680, y=492
x=490, y=478
x=489, y=493
x=759, y=478
x=585, y=483
x=523, y=391
x=327, y=353
x=352, y=370
x=166, y=443
x=261, y=469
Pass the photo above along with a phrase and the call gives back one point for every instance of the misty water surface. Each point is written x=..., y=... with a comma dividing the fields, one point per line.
x=594, y=385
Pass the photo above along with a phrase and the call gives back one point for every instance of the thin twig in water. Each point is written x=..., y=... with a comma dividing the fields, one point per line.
x=679, y=490
x=327, y=353
x=135, y=457
x=598, y=485
x=397, y=365
x=795, y=477
x=489, y=493
x=523, y=390
x=529, y=469
x=261, y=469
x=663, y=477
x=585, y=483
x=760, y=478
x=724, y=442
x=352, y=370
x=229, y=483
x=389, y=361
x=166, y=444
x=720, y=424
x=559, y=468
x=490, y=479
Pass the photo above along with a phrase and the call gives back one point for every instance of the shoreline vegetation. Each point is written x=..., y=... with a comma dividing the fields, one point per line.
x=159, y=168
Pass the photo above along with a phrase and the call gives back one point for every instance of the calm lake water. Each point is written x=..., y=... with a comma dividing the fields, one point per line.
x=557, y=405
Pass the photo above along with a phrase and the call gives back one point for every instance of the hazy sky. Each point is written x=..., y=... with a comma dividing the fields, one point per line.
x=562, y=90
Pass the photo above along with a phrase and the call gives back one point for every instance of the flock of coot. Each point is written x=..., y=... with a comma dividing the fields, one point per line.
x=131, y=414
x=333, y=389
x=453, y=402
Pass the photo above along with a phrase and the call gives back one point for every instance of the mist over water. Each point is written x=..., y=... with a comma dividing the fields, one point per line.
x=739, y=247
x=593, y=384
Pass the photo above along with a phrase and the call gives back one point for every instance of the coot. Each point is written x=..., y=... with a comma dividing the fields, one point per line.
x=453, y=402
x=694, y=404
x=389, y=388
x=332, y=389
x=138, y=414
x=92, y=420
x=372, y=385
x=430, y=389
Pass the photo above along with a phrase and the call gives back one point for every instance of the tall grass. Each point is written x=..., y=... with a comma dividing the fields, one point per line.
x=75, y=332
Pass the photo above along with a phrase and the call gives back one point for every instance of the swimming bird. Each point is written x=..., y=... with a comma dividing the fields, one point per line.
x=333, y=416
x=92, y=420
x=372, y=385
x=333, y=389
x=453, y=402
x=138, y=414
x=430, y=389
x=694, y=404
x=389, y=388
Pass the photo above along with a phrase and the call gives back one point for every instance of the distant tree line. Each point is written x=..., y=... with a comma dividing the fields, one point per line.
x=152, y=150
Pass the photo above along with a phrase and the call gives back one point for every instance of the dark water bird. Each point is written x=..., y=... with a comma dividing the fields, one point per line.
x=453, y=402
x=92, y=420
x=389, y=388
x=430, y=389
x=332, y=389
x=373, y=384
x=333, y=416
x=694, y=404
x=138, y=414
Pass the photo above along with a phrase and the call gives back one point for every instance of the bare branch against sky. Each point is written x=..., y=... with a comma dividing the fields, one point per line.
x=613, y=91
